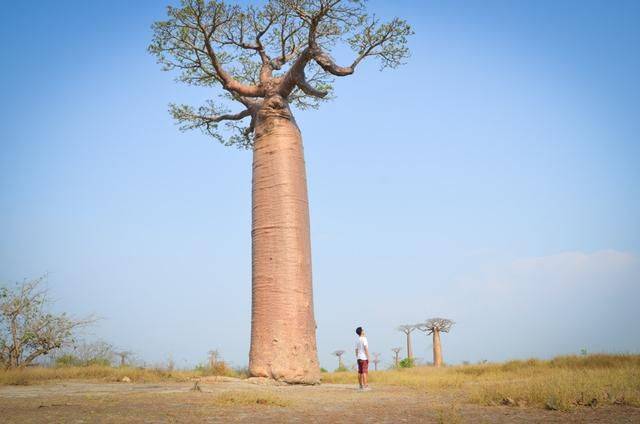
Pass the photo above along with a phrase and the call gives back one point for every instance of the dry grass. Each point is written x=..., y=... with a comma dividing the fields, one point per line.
x=560, y=384
x=36, y=375
x=449, y=415
x=220, y=368
x=237, y=398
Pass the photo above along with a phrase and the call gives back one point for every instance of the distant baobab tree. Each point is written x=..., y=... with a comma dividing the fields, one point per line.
x=435, y=326
x=376, y=361
x=213, y=358
x=265, y=59
x=339, y=354
x=123, y=357
x=396, y=352
x=408, y=329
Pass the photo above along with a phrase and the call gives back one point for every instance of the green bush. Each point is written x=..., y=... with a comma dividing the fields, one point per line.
x=323, y=369
x=407, y=363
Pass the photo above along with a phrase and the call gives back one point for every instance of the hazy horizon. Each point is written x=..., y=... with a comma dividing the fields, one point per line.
x=493, y=180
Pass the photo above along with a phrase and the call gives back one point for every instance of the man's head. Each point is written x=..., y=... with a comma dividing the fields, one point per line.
x=359, y=331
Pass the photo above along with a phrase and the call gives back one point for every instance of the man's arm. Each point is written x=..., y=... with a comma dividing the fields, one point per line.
x=366, y=351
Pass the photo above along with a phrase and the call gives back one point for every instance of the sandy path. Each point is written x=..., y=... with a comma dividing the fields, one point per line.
x=86, y=402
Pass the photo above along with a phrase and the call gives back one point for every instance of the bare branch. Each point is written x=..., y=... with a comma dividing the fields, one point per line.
x=27, y=330
x=208, y=117
x=308, y=89
x=436, y=324
x=407, y=328
x=385, y=41
x=242, y=48
x=187, y=37
x=185, y=114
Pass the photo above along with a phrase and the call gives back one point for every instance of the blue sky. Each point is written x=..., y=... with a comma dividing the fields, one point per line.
x=492, y=180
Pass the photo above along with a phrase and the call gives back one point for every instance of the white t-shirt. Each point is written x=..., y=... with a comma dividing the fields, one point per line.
x=361, y=343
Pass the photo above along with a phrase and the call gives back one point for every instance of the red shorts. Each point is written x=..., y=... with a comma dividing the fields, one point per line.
x=363, y=366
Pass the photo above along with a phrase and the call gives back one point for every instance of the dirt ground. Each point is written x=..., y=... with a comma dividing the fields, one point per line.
x=87, y=402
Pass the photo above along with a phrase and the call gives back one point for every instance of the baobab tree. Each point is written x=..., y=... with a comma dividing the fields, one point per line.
x=376, y=361
x=396, y=352
x=123, y=357
x=407, y=329
x=213, y=358
x=436, y=326
x=339, y=354
x=266, y=59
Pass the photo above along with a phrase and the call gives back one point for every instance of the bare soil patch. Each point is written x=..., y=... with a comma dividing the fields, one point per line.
x=240, y=401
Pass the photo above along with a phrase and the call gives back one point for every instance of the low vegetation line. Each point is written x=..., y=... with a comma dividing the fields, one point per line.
x=562, y=383
x=105, y=373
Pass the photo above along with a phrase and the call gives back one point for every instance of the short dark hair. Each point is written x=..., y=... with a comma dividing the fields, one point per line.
x=359, y=331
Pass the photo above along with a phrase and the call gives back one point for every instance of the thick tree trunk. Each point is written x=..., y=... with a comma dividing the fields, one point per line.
x=283, y=327
x=437, y=350
x=409, y=347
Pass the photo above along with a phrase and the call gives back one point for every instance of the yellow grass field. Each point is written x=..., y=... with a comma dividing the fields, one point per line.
x=561, y=383
x=602, y=388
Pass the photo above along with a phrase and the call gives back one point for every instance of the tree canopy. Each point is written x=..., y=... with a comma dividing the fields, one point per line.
x=283, y=48
x=436, y=324
x=27, y=330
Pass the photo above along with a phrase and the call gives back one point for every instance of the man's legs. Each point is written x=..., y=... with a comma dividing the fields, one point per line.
x=364, y=383
x=360, y=380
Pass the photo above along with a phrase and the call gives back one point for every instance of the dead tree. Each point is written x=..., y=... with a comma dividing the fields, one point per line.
x=408, y=329
x=396, y=352
x=123, y=357
x=376, y=361
x=264, y=59
x=339, y=354
x=435, y=326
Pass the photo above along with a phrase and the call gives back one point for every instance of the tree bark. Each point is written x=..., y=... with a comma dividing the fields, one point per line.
x=409, y=347
x=283, y=327
x=437, y=350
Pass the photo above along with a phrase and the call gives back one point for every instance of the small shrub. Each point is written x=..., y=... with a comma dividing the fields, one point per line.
x=323, y=369
x=220, y=368
x=407, y=363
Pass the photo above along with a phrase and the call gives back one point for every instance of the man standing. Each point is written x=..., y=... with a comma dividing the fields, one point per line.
x=362, y=355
